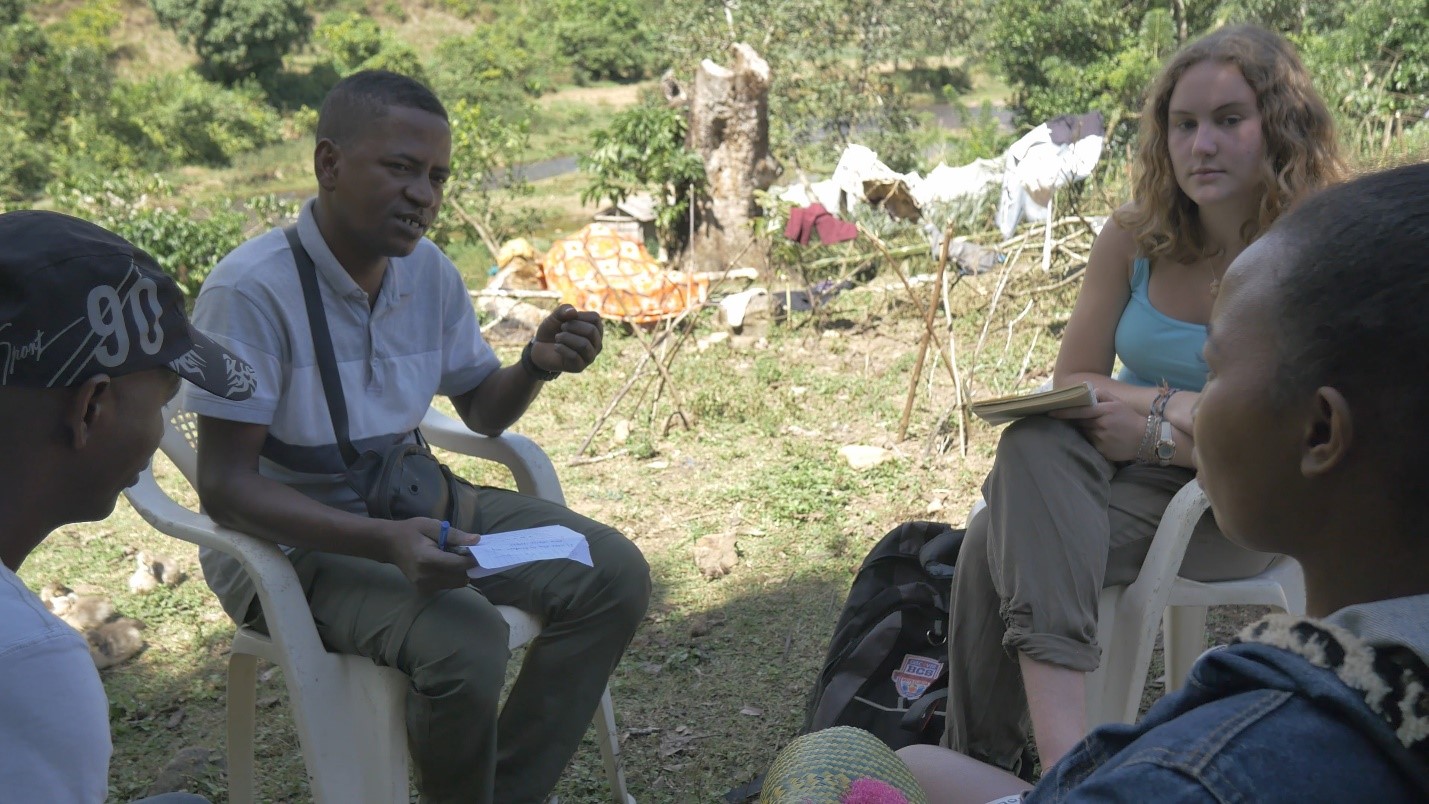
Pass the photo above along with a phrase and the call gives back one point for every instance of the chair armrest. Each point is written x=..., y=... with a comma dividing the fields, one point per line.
x=530, y=466
x=285, y=608
x=1168, y=546
x=1139, y=608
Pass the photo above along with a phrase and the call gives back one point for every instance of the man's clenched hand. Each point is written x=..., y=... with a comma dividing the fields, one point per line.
x=568, y=340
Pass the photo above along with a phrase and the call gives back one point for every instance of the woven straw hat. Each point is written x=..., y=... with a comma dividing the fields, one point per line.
x=818, y=768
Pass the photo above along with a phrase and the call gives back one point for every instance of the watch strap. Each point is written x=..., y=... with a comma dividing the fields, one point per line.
x=530, y=365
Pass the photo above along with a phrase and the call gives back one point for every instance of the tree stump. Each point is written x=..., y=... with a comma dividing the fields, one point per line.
x=729, y=128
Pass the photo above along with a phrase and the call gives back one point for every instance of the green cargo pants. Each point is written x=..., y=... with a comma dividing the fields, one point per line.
x=453, y=646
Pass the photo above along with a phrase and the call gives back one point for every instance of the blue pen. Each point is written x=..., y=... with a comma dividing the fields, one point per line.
x=442, y=539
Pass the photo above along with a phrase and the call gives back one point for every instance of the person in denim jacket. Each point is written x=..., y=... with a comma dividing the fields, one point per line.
x=1310, y=440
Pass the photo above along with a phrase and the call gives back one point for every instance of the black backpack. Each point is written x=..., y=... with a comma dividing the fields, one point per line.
x=886, y=667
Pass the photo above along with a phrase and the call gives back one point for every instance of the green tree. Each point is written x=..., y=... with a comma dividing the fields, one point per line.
x=237, y=39
x=1075, y=55
x=498, y=67
x=643, y=150
x=43, y=85
x=348, y=40
x=354, y=42
x=182, y=120
x=1371, y=62
x=603, y=39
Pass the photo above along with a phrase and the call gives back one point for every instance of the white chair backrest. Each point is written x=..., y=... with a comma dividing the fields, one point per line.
x=180, y=441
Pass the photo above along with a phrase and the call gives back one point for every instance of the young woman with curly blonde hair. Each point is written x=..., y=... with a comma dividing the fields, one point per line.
x=1232, y=135
x=1310, y=439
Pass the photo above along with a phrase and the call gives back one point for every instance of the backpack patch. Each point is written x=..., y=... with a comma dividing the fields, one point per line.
x=915, y=675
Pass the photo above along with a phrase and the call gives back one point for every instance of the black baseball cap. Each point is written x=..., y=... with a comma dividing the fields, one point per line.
x=78, y=300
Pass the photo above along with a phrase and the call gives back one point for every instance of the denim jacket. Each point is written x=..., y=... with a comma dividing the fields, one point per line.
x=1296, y=710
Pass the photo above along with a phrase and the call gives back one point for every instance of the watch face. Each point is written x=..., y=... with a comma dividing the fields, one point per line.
x=1165, y=446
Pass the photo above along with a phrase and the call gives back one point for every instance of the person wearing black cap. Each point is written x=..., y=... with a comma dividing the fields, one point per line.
x=93, y=343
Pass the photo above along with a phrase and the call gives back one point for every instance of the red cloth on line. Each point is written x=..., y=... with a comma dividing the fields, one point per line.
x=803, y=221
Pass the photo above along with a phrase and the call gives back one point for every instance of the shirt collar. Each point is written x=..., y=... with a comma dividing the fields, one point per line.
x=396, y=284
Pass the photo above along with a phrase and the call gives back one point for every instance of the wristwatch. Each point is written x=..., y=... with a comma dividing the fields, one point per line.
x=1165, y=448
x=530, y=365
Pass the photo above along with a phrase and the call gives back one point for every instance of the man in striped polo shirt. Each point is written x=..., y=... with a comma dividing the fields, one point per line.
x=403, y=330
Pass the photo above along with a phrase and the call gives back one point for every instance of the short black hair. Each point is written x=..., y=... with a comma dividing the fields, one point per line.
x=368, y=94
x=1354, y=313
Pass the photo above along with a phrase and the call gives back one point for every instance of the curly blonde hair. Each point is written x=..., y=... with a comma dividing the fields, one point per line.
x=1301, y=151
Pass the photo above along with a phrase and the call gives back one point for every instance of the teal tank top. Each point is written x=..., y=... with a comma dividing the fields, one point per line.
x=1155, y=347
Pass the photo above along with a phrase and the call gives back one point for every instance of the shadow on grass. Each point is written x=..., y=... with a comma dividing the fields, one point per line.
x=703, y=699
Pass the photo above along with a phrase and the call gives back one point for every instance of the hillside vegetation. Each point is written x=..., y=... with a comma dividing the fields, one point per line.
x=185, y=123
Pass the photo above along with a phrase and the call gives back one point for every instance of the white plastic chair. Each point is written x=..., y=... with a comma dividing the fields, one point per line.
x=350, y=713
x=1128, y=616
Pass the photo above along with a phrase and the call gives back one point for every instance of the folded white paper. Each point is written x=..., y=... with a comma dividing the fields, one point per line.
x=498, y=551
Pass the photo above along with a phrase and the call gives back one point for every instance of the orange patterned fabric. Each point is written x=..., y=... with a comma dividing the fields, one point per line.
x=597, y=269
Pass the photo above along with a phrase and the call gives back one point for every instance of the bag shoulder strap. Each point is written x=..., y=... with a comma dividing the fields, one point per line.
x=322, y=345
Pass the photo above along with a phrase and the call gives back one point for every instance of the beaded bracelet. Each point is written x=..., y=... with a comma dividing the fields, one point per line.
x=1143, y=453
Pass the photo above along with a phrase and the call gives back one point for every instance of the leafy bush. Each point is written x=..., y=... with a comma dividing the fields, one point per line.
x=982, y=136
x=1371, y=62
x=643, y=150
x=498, y=67
x=47, y=93
x=397, y=57
x=603, y=39
x=348, y=40
x=182, y=119
x=24, y=164
x=42, y=85
x=87, y=25
x=237, y=39
x=186, y=241
x=12, y=10
x=354, y=42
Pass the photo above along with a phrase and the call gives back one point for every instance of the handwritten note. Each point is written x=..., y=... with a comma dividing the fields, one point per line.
x=497, y=551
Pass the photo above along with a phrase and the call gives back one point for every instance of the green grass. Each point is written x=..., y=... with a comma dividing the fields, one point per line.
x=564, y=128
x=715, y=681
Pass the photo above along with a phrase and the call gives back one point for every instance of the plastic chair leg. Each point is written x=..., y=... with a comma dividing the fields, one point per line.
x=1184, y=640
x=242, y=695
x=609, y=740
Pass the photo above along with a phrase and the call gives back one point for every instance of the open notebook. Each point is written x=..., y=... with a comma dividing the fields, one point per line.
x=1010, y=408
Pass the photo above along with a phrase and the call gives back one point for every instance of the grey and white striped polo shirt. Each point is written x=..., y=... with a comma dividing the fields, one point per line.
x=419, y=340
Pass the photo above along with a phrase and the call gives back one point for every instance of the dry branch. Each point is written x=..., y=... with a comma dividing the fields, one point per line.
x=481, y=230
x=927, y=335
